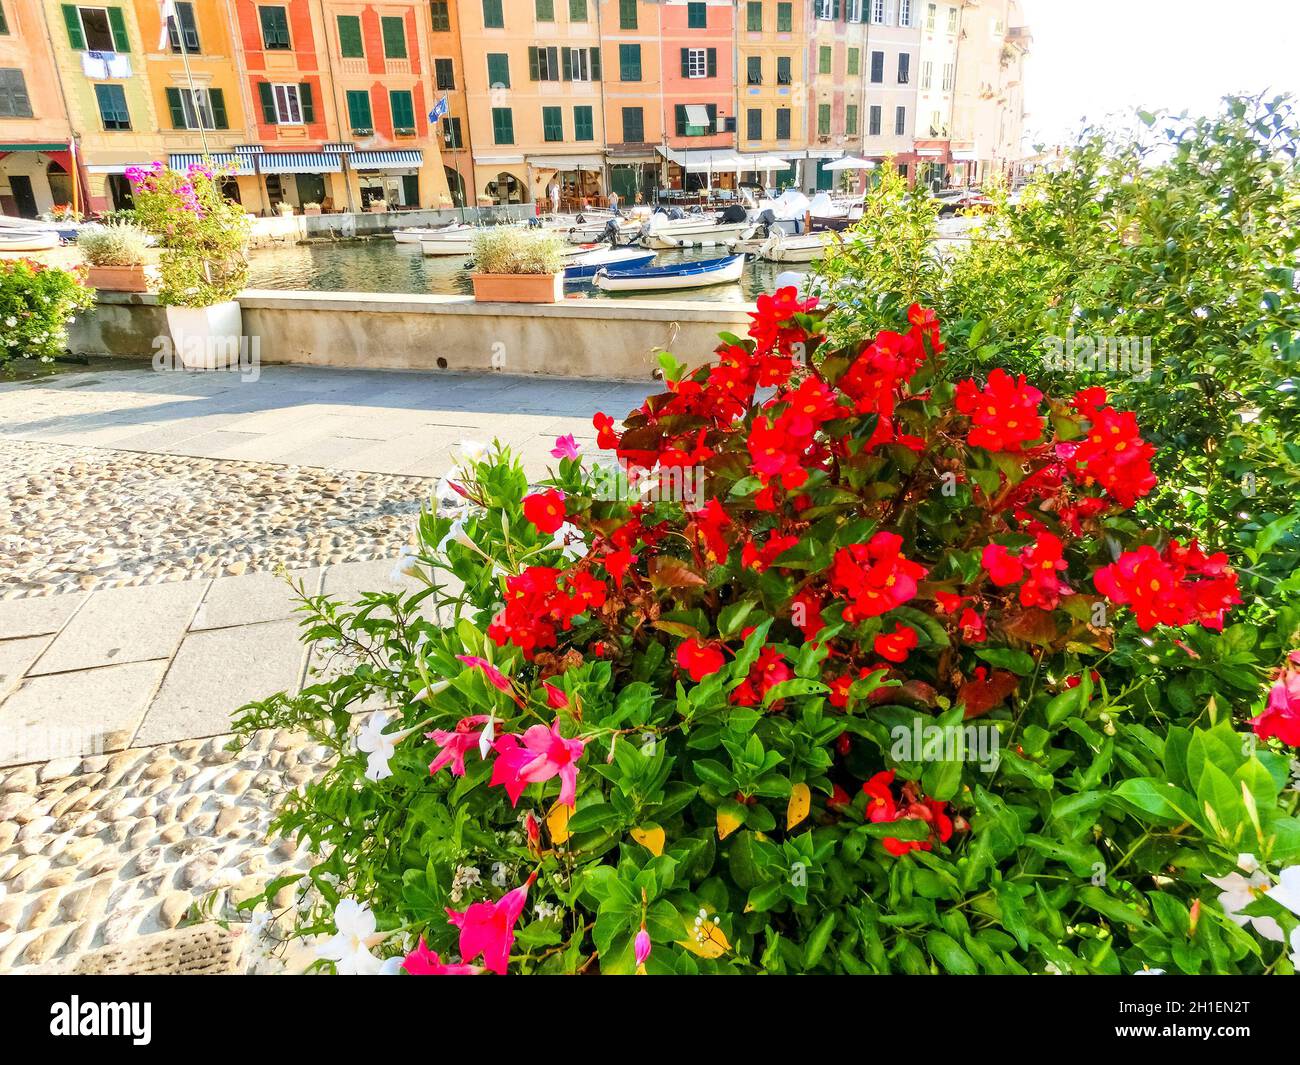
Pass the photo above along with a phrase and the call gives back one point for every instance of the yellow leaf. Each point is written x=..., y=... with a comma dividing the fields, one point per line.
x=706, y=940
x=557, y=822
x=799, y=805
x=651, y=837
x=727, y=824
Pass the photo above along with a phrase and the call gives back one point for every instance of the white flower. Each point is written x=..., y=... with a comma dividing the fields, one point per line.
x=350, y=948
x=474, y=451
x=570, y=540
x=465, y=877
x=1247, y=863
x=371, y=740
x=258, y=924
x=1144, y=971
x=487, y=737
x=407, y=564
x=392, y=966
x=1295, y=948
x=1287, y=890
x=1238, y=893
x=432, y=690
x=11, y=321
x=456, y=534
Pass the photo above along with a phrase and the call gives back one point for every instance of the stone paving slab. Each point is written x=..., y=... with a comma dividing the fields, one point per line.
x=253, y=598
x=37, y=617
x=124, y=625
x=16, y=658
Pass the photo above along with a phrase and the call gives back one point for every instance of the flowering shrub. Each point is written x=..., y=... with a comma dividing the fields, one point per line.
x=868, y=700
x=37, y=303
x=202, y=234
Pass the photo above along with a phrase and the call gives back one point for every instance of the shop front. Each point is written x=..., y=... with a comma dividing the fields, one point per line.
x=578, y=178
x=392, y=176
x=501, y=179
x=35, y=178
x=298, y=178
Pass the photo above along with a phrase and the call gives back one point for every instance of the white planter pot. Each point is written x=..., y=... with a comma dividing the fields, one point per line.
x=207, y=338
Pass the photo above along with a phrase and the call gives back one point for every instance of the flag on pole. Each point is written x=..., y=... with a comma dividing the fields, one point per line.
x=167, y=10
x=439, y=109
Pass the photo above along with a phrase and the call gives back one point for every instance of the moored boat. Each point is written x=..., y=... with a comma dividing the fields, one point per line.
x=28, y=240
x=693, y=231
x=584, y=268
x=415, y=234
x=806, y=249
x=699, y=274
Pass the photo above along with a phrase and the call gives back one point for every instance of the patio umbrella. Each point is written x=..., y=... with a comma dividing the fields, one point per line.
x=850, y=162
x=793, y=203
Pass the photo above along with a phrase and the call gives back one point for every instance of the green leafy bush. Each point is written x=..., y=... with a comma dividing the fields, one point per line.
x=37, y=303
x=846, y=668
x=113, y=244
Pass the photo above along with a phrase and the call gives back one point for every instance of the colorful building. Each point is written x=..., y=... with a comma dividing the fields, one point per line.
x=893, y=54
x=932, y=133
x=837, y=41
x=39, y=164
x=630, y=33
x=699, y=91
x=449, y=85
x=772, y=73
x=988, y=100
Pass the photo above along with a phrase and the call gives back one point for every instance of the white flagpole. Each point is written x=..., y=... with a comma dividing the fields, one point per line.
x=169, y=16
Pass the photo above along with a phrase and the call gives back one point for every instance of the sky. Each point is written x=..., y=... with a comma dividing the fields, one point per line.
x=1103, y=56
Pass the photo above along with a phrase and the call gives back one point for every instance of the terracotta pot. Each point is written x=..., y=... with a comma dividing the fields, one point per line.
x=378, y=210
x=518, y=288
x=312, y=211
x=118, y=278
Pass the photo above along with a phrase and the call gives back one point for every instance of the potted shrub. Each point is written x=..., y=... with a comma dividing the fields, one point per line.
x=378, y=206
x=312, y=209
x=518, y=266
x=37, y=303
x=115, y=254
x=202, y=235
x=284, y=210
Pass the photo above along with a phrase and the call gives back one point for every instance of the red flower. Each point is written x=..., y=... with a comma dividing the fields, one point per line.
x=1112, y=454
x=699, y=659
x=617, y=564
x=971, y=626
x=880, y=800
x=769, y=671
x=1004, y=415
x=545, y=510
x=1003, y=567
x=875, y=576
x=894, y=646
x=761, y=559
x=606, y=438
x=1043, y=561
x=1181, y=586
x=709, y=523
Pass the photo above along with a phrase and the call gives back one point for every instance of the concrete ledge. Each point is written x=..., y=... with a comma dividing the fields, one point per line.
x=610, y=339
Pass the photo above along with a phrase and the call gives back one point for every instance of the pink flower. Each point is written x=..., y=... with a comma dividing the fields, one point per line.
x=641, y=946
x=488, y=928
x=456, y=744
x=565, y=447
x=494, y=676
x=425, y=962
x=1281, y=717
x=544, y=754
x=555, y=698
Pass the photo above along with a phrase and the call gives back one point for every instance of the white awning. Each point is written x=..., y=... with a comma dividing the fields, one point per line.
x=298, y=163
x=567, y=162
x=401, y=159
x=964, y=155
x=706, y=160
x=498, y=160
x=697, y=115
x=241, y=165
x=850, y=162
x=114, y=168
x=765, y=162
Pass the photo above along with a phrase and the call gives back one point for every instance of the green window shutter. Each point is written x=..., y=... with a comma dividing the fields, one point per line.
x=853, y=61
x=577, y=10
x=679, y=116
x=784, y=18
x=595, y=64
x=350, y=44
x=754, y=18
x=629, y=62
x=394, y=33
x=267, y=95
x=711, y=63
x=218, y=100
x=823, y=119
x=545, y=11
x=503, y=125
x=359, y=116
x=403, y=109
x=493, y=16
x=534, y=67
x=851, y=119
x=176, y=108
x=305, y=101
x=824, y=61
x=686, y=62
x=552, y=123
x=627, y=14
x=583, y=129
x=568, y=64
x=697, y=16
x=72, y=20
x=498, y=64
x=117, y=24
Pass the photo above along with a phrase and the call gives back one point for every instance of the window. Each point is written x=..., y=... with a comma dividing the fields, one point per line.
x=4, y=25
x=824, y=60
x=402, y=106
x=851, y=119
x=577, y=10
x=359, y=116
x=503, y=126
x=687, y=116
x=451, y=137
x=633, y=125
x=784, y=18
x=498, y=70
x=754, y=123
x=544, y=64
x=952, y=20
x=627, y=15
x=823, y=120
x=200, y=109
x=877, y=67
x=904, y=12
x=783, y=76
x=96, y=29
x=350, y=43
x=112, y=107
x=583, y=127
x=754, y=20
x=394, y=33
x=494, y=18
x=853, y=10
x=14, y=101
x=699, y=62
x=949, y=73
x=581, y=64
x=440, y=16
x=184, y=30
x=286, y=105
x=629, y=62
x=697, y=16
x=553, y=123
x=275, y=27
x=873, y=120
x=900, y=121
x=927, y=74
x=754, y=70
x=931, y=12
x=878, y=12
x=822, y=9
x=936, y=124
x=904, y=67
x=545, y=10
x=853, y=62
x=783, y=123
x=444, y=74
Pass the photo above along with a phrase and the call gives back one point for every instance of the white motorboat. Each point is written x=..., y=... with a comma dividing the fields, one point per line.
x=584, y=267
x=693, y=231
x=779, y=248
x=587, y=229
x=699, y=274
x=28, y=240
x=415, y=234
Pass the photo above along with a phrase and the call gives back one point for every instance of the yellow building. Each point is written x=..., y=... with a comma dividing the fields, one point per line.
x=770, y=81
x=449, y=85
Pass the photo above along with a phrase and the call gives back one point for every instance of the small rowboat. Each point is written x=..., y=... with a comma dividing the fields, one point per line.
x=28, y=240
x=805, y=249
x=699, y=274
x=690, y=233
x=415, y=234
x=584, y=268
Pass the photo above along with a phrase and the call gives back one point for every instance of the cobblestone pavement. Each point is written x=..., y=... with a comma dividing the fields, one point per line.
x=147, y=524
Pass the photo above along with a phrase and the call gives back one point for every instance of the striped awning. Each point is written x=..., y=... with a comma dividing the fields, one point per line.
x=242, y=164
x=248, y=149
x=339, y=149
x=298, y=163
x=401, y=159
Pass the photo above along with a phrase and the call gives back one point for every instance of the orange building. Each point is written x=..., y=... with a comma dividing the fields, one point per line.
x=630, y=32
x=449, y=85
x=699, y=97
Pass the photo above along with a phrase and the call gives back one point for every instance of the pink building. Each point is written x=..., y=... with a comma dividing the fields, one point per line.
x=699, y=81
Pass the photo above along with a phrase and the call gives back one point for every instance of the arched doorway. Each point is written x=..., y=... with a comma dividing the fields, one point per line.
x=60, y=183
x=455, y=185
x=506, y=188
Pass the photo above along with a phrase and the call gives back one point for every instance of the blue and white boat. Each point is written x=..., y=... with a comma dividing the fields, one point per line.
x=584, y=269
x=699, y=274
